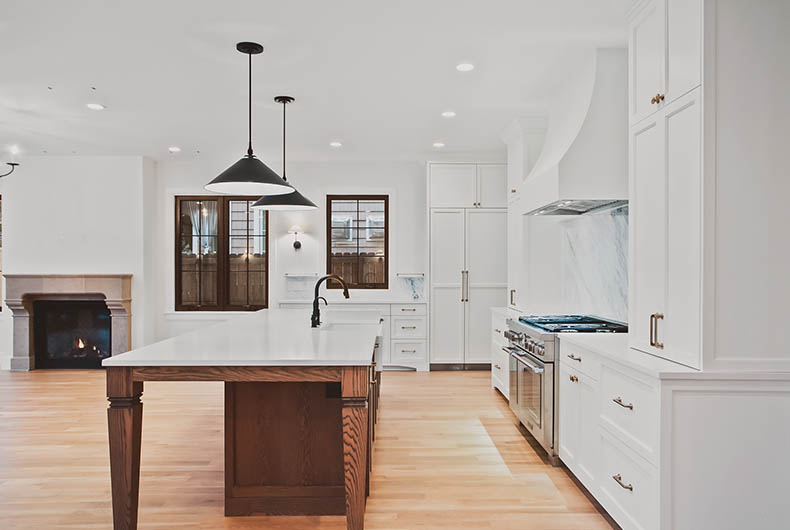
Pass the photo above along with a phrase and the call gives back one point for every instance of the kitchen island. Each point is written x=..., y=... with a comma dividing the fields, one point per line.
x=297, y=401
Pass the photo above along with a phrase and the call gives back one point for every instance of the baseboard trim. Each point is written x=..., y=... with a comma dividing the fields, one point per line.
x=436, y=367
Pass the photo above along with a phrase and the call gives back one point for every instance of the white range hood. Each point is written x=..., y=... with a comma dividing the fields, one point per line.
x=584, y=162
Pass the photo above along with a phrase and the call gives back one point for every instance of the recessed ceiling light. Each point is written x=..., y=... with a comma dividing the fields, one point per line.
x=14, y=149
x=465, y=67
x=95, y=106
x=174, y=149
x=336, y=144
x=438, y=144
x=448, y=114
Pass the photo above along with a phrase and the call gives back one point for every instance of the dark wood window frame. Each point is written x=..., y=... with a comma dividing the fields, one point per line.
x=329, y=198
x=223, y=255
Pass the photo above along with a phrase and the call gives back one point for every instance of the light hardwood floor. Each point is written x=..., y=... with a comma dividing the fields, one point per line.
x=447, y=456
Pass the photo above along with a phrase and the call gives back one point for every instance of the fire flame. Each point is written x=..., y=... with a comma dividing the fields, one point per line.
x=80, y=344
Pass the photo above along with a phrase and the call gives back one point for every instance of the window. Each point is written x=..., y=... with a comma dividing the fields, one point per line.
x=358, y=240
x=222, y=258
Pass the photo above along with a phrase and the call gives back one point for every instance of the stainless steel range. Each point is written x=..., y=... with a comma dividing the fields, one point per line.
x=533, y=345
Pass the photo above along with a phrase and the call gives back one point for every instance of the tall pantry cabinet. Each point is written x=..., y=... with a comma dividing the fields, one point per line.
x=468, y=269
x=707, y=109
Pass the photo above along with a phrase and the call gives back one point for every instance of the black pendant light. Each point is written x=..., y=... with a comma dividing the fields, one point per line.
x=290, y=201
x=249, y=176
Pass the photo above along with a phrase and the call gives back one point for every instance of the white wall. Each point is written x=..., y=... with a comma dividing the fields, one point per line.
x=78, y=215
x=403, y=182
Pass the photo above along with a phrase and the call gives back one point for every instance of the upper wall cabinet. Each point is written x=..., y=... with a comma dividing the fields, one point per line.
x=468, y=185
x=665, y=53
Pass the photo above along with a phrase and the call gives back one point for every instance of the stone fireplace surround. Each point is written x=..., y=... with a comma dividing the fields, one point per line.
x=23, y=289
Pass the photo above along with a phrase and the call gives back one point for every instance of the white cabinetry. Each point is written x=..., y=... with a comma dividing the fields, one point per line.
x=468, y=272
x=666, y=224
x=467, y=185
x=648, y=438
x=404, y=340
x=500, y=359
x=666, y=172
x=665, y=50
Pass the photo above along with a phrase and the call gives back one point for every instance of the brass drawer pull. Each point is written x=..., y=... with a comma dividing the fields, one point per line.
x=408, y=351
x=513, y=190
x=498, y=330
x=497, y=367
x=408, y=327
x=619, y=401
x=408, y=309
x=619, y=479
x=574, y=379
x=572, y=357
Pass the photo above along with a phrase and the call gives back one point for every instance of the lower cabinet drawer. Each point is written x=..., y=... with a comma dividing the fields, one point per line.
x=629, y=408
x=580, y=359
x=500, y=369
x=408, y=309
x=408, y=328
x=628, y=485
x=407, y=351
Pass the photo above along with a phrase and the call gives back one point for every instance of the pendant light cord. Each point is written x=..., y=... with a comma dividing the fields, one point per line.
x=249, y=107
x=285, y=104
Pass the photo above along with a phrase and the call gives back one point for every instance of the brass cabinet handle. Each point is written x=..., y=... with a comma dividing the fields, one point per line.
x=512, y=295
x=574, y=379
x=408, y=327
x=513, y=190
x=619, y=479
x=498, y=330
x=408, y=351
x=652, y=327
x=497, y=367
x=408, y=309
x=572, y=357
x=660, y=97
x=653, y=100
x=659, y=345
x=619, y=401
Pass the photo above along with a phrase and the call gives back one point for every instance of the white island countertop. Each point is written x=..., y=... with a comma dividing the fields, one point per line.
x=270, y=337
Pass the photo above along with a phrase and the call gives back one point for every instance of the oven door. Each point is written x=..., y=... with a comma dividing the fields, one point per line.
x=536, y=398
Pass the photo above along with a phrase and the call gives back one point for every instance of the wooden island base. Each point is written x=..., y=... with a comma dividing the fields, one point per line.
x=284, y=449
x=297, y=439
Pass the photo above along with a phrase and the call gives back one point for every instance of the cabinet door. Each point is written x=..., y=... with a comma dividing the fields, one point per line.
x=514, y=254
x=680, y=328
x=492, y=185
x=447, y=264
x=648, y=231
x=453, y=185
x=588, y=453
x=486, y=278
x=569, y=411
x=684, y=46
x=646, y=51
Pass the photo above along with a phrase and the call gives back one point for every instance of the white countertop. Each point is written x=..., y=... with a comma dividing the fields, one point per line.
x=358, y=301
x=615, y=346
x=270, y=337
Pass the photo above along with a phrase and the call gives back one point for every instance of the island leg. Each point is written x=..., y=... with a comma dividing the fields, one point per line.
x=355, y=442
x=124, y=422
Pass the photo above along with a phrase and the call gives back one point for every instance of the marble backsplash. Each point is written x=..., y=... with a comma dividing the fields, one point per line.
x=595, y=263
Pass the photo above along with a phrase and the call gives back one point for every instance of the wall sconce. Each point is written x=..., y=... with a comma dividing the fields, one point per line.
x=295, y=229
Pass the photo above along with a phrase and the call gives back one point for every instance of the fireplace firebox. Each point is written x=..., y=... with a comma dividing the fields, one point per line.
x=71, y=333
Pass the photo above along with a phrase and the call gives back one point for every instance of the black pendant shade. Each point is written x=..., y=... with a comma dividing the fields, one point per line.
x=289, y=201
x=249, y=176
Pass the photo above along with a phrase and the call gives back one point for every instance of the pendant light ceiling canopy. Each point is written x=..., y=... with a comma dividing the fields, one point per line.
x=249, y=176
x=290, y=201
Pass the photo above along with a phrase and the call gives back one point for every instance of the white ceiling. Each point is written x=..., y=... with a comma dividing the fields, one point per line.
x=373, y=74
